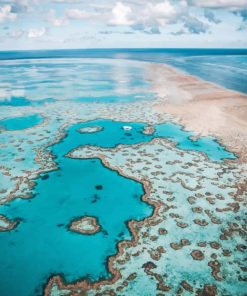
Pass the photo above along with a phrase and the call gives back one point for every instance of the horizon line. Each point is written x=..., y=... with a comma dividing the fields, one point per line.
x=128, y=48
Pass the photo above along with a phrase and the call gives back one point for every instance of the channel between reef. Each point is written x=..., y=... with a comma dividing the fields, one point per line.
x=133, y=227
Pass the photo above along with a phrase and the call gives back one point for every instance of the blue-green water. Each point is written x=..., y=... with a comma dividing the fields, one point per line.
x=39, y=77
x=21, y=101
x=183, y=139
x=42, y=245
x=38, y=82
x=114, y=134
x=20, y=123
x=115, y=98
x=226, y=66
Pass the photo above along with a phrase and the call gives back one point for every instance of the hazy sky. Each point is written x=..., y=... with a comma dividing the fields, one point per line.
x=43, y=24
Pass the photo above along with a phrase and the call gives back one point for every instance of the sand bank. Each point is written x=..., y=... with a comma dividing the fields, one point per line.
x=203, y=107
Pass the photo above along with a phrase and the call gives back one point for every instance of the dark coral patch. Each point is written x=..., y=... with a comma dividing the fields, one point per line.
x=99, y=187
x=197, y=255
x=45, y=177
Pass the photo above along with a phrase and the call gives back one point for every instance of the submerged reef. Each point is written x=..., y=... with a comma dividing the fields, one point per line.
x=91, y=129
x=6, y=224
x=85, y=225
x=148, y=130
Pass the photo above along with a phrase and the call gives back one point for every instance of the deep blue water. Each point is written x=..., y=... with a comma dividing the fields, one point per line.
x=42, y=245
x=226, y=67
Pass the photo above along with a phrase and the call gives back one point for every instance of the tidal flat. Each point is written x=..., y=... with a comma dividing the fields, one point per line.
x=103, y=191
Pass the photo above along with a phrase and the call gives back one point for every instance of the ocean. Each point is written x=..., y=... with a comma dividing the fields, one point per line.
x=226, y=67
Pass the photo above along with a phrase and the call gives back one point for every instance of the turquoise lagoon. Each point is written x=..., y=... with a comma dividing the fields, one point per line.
x=21, y=122
x=114, y=134
x=42, y=244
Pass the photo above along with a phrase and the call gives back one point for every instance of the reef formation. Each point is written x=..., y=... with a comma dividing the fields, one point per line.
x=195, y=240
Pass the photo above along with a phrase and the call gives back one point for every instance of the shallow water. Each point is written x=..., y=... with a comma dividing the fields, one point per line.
x=226, y=67
x=20, y=123
x=42, y=245
x=113, y=134
x=37, y=82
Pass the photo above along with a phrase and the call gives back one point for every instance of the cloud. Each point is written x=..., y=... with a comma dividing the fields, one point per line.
x=151, y=17
x=70, y=14
x=66, y=1
x=179, y=33
x=16, y=34
x=242, y=14
x=209, y=15
x=116, y=32
x=238, y=7
x=148, y=17
x=77, y=14
x=107, y=32
x=56, y=21
x=161, y=13
x=20, y=6
x=121, y=15
x=6, y=13
x=36, y=33
x=230, y=4
x=195, y=26
x=151, y=31
x=154, y=30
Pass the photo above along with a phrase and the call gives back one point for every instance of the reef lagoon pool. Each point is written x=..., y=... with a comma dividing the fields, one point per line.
x=78, y=188
x=20, y=123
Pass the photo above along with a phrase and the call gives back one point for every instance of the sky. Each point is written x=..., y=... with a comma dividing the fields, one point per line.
x=58, y=24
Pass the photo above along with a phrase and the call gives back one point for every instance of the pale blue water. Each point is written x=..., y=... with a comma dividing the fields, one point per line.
x=38, y=82
x=20, y=123
x=207, y=145
x=226, y=67
x=41, y=245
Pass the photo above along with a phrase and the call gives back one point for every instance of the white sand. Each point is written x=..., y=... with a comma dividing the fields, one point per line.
x=203, y=107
